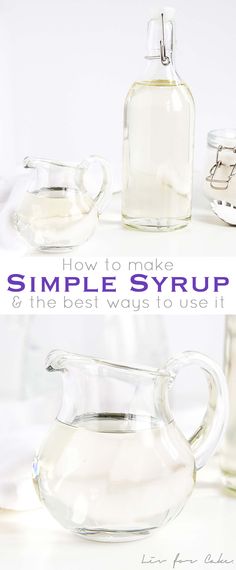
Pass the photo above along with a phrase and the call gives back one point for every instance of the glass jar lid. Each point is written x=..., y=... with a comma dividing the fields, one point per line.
x=222, y=137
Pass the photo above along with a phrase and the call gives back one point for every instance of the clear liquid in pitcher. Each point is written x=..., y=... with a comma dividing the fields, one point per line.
x=56, y=218
x=158, y=155
x=111, y=476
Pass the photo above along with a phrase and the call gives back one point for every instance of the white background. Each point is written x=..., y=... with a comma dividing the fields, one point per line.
x=66, y=65
x=152, y=339
x=65, y=68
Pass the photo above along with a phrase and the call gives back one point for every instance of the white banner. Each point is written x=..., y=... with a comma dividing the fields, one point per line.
x=70, y=285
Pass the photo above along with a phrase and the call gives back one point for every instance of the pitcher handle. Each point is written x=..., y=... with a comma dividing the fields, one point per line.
x=206, y=438
x=104, y=192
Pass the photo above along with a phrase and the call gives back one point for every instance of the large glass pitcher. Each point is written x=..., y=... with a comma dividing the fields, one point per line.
x=58, y=211
x=114, y=465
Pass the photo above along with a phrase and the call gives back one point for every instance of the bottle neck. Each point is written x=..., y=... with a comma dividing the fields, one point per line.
x=160, y=50
x=156, y=71
x=160, y=38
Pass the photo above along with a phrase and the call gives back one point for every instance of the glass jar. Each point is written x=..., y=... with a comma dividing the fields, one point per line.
x=220, y=182
x=228, y=452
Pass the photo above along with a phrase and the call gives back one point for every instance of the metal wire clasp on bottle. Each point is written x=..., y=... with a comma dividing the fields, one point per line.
x=217, y=183
x=165, y=60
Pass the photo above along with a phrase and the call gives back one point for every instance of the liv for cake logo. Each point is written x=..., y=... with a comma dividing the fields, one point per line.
x=180, y=561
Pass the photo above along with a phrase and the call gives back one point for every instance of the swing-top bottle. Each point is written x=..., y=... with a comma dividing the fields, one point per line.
x=158, y=138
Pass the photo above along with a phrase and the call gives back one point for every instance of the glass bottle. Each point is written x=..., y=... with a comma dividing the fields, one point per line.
x=158, y=139
x=228, y=452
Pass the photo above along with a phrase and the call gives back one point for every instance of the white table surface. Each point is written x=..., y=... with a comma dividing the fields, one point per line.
x=205, y=235
x=207, y=525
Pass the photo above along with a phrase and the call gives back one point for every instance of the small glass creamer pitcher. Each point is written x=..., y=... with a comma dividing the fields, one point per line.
x=57, y=211
x=114, y=465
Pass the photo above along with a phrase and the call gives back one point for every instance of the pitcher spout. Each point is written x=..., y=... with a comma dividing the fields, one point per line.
x=56, y=361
